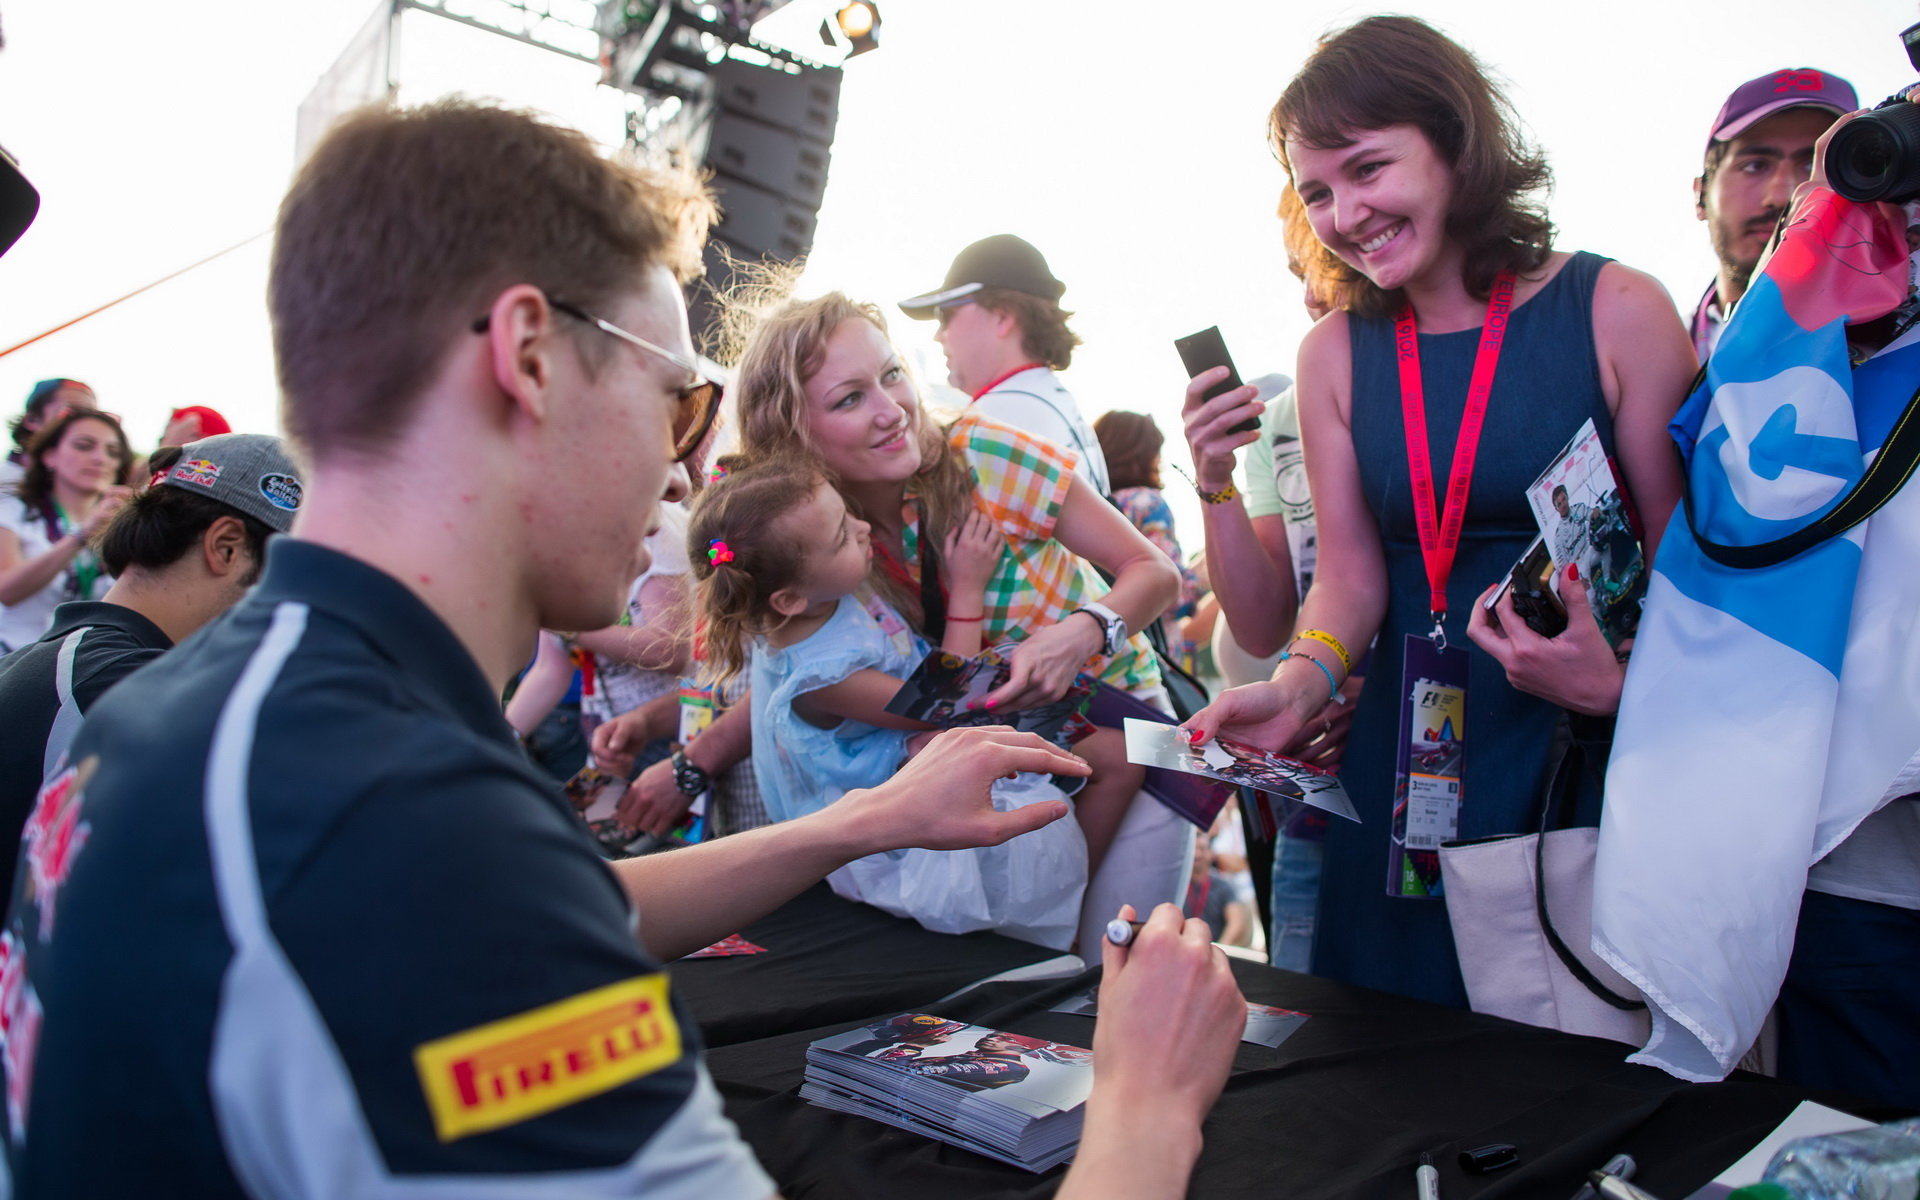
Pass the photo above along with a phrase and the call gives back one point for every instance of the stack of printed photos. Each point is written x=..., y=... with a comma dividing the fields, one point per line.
x=1014, y=1098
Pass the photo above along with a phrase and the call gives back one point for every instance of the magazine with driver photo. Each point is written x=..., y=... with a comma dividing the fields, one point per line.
x=1587, y=521
x=1017, y=1098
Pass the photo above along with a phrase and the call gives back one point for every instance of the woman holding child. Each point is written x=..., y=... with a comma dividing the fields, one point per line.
x=821, y=376
x=1464, y=354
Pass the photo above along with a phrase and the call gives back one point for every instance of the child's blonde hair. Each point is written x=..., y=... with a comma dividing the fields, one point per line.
x=741, y=555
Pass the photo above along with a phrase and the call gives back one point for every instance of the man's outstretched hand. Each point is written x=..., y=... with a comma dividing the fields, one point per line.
x=939, y=800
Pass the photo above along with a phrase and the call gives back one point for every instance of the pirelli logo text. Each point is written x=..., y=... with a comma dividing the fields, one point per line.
x=511, y=1070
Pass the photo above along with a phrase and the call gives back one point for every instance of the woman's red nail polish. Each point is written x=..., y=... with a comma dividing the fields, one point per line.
x=1573, y=572
x=989, y=704
x=1196, y=736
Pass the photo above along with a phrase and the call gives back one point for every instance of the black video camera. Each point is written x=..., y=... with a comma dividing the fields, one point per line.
x=1876, y=156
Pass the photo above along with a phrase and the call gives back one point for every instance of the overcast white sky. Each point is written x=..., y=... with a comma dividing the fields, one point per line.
x=1126, y=140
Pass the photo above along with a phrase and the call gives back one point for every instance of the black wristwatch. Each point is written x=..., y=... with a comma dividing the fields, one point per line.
x=692, y=781
x=1113, y=627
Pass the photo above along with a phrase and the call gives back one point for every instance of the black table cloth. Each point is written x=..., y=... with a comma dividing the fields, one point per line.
x=831, y=960
x=1343, y=1108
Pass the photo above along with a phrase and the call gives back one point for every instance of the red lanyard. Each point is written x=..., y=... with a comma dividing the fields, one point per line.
x=894, y=568
x=1002, y=379
x=1440, y=536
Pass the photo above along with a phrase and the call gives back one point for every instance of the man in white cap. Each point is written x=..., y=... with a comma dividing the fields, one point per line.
x=1005, y=335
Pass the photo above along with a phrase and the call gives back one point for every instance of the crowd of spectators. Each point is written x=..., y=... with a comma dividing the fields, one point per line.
x=715, y=601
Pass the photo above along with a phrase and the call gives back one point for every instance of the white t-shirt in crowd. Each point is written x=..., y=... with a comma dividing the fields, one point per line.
x=1879, y=861
x=26, y=622
x=1035, y=401
x=623, y=686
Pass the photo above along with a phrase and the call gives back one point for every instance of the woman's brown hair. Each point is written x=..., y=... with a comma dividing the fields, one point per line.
x=36, y=486
x=1401, y=71
x=781, y=349
x=1130, y=442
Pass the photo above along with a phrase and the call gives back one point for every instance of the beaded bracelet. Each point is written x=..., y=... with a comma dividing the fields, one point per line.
x=1330, y=642
x=1333, y=688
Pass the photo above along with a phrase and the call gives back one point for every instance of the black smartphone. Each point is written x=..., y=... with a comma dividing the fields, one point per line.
x=1204, y=351
x=1533, y=595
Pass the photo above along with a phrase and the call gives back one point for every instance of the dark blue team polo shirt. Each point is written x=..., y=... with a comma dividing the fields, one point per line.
x=303, y=921
x=42, y=699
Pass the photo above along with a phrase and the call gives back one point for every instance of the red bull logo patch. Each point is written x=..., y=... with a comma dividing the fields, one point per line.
x=53, y=838
x=20, y=1015
x=514, y=1069
x=200, y=472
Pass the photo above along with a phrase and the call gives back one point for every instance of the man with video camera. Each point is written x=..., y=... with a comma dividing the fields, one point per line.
x=1768, y=749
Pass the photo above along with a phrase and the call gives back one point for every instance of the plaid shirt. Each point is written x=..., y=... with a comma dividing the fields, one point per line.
x=737, y=803
x=1020, y=482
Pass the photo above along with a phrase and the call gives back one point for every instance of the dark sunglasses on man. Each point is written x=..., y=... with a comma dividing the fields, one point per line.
x=699, y=400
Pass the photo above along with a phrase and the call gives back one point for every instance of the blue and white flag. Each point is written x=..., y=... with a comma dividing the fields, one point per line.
x=1767, y=712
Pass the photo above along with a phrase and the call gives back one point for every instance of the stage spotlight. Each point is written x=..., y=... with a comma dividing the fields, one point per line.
x=860, y=22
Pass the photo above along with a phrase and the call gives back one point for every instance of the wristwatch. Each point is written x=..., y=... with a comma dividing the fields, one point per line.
x=691, y=781
x=1113, y=627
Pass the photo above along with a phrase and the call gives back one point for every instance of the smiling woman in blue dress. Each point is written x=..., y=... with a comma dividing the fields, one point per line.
x=1422, y=196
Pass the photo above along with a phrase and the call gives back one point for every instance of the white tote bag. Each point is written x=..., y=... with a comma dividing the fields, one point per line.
x=1521, y=907
x=1028, y=887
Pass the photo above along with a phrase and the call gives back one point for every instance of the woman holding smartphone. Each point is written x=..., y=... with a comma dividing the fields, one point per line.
x=1464, y=352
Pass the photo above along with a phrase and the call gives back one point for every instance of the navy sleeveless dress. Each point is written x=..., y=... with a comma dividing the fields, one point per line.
x=1547, y=383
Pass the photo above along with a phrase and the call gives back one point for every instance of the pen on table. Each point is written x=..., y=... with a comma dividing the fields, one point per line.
x=1612, y=1187
x=1427, y=1178
x=1620, y=1166
x=1120, y=933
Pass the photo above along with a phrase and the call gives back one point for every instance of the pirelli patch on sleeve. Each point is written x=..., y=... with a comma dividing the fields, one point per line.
x=514, y=1069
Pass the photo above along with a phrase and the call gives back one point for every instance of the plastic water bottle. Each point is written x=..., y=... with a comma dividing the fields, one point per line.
x=1882, y=1163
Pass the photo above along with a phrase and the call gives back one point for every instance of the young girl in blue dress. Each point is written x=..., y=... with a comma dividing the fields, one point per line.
x=782, y=567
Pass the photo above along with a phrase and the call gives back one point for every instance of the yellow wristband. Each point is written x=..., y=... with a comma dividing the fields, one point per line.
x=1223, y=496
x=1331, y=642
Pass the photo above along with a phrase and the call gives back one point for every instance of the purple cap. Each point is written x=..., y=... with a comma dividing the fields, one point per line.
x=1792, y=87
